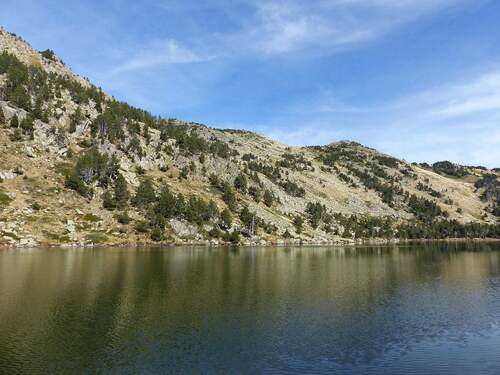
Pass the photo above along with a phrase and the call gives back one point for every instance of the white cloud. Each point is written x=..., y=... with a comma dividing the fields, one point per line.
x=278, y=27
x=480, y=95
x=459, y=121
x=163, y=52
x=473, y=96
x=281, y=27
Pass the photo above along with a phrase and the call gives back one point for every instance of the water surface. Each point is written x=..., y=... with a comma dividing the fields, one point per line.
x=392, y=310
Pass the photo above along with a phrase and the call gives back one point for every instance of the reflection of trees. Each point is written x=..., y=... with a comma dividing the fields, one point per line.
x=99, y=309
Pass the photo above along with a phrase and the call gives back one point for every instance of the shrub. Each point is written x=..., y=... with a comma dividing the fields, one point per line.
x=123, y=218
x=291, y=188
x=74, y=182
x=141, y=227
x=298, y=222
x=49, y=54
x=450, y=169
x=424, y=209
x=233, y=237
x=16, y=136
x=157, y=234
x=96, y=237
x=91, y=218
x=36, y=206
x=184, y=173
x=4, y=199
x=317, y=213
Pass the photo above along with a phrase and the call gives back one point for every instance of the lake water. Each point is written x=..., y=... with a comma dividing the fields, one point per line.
x=391, y=310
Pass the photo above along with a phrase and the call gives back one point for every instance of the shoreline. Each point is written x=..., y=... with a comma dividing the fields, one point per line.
x=279, y=243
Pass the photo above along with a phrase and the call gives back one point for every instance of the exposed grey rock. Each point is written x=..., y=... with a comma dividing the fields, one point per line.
x=7, y=175
x=183, y=229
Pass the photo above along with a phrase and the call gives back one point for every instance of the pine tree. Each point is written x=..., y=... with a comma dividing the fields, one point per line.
x=145, y=194
x=248, y=219
x=268, y=198
x=121, y=193
x=167, y=203
x=14, y=122
x=241, y=183
x=27, y=125
x=255, y=193
x=108, y=202
x=20, y=97
x=17, y=136
x=228, y=196
x=298, y=222
x=2, y=117
x=226, y=219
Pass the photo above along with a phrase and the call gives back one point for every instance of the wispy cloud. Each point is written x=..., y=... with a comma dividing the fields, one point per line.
x=458, y=121
x=474, y=96
x=163, y=52
x=282, y=27
x=285, y=28
x=273, y=28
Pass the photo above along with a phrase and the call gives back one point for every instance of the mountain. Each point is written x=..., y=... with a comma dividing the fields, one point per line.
x=79, y=167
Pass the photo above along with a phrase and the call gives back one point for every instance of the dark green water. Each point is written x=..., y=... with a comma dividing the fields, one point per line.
x=392, y=310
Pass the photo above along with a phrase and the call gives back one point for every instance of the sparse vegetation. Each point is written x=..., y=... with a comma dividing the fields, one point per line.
x=107, y=155
x=446, y=167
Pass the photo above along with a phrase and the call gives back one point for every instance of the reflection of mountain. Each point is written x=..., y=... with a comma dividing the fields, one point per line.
x=219, y=310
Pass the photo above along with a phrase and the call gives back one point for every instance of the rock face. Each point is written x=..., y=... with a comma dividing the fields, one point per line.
x=7, y=175
x=55, y=184
x=183, y=229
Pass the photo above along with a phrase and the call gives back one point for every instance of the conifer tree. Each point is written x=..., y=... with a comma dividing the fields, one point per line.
x=241, y=183
x=268, y=198
x=14, y=122
x=298, y=222
x=121, y=193
x=27, y=125
x=145, y=194
x=226, y=218
x=108, y=202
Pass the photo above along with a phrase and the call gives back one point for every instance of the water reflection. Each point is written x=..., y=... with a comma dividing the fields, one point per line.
x=247, y=311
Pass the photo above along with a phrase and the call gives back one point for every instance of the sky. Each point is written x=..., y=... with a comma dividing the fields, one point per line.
x=418, y=79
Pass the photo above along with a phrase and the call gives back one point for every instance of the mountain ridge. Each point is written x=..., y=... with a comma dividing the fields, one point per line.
x=81, y=168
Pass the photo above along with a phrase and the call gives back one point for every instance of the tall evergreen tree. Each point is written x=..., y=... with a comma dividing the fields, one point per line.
x=108, y=202
x=27, y=125
x=268, y=198
x=14, y=122
x=298, y=222
x=241, y=183
x=121, y=193
x=145, y=194
x=226, y=218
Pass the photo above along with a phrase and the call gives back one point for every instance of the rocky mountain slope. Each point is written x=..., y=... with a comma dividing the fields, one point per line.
x=78, y=167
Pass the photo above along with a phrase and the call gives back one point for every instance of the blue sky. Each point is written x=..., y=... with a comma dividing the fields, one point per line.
x=419, y=79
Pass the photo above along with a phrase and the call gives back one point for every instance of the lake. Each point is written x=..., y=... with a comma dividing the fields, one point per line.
x=419, y=309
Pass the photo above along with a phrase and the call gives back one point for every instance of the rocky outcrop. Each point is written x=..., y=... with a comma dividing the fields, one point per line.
x=346, y=179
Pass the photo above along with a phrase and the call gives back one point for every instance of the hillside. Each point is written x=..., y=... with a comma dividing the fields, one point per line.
x=78, y=167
